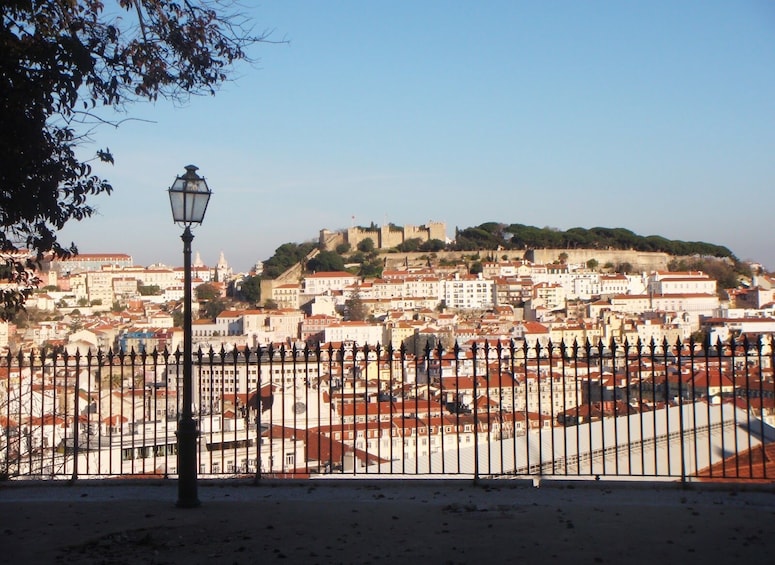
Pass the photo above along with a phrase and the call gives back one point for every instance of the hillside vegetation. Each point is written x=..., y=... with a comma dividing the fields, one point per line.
x=493, y=235
x=718, y=261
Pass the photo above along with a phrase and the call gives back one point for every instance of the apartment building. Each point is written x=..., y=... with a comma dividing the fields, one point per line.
x=469, y=292
x=215, y=381
x=692, y=282
x=324, y=283
x=551, y=296
x=361, y=333
x=91, y=262
x=287, y=295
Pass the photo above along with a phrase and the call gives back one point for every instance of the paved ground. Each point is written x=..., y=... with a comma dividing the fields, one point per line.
x=386, y=522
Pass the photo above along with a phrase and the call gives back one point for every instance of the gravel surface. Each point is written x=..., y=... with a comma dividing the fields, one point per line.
x=385, y=522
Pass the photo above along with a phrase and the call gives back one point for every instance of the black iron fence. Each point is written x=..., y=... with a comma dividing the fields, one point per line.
x=674, y=411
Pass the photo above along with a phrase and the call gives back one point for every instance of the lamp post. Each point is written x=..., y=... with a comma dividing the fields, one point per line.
x=189, y=195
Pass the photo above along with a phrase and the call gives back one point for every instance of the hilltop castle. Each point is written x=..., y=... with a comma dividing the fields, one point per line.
x=384, y=237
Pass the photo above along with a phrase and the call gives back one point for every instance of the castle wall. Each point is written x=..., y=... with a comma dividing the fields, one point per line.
x=355, y=235
x=330, y=239
x=437, y=230
x=391, y=237
x=384, y=237
x=640, y=260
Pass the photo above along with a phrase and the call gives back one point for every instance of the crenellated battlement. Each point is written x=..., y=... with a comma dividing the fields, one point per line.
x=384, y=237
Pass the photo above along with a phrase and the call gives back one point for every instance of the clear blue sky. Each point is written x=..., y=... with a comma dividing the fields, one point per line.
x=656, y=116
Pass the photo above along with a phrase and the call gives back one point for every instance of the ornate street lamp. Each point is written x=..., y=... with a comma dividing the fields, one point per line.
x=189, y=196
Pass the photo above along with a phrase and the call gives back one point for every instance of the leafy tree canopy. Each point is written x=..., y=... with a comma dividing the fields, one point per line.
x=206, y=291
x=354, y=308
x=433, y=245
x=409, y=245
x=726, y=273
x=149, y=290
x=492, y=235
x=251, y=289
x=61, y=62
x=212, y=308
x=285, y=257
x=371, y=269
x=326, y=261
x=366, y=245
x=343, y=248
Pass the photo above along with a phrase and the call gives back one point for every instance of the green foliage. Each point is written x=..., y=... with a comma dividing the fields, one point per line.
x=592, y=264
x=472, y=239
x=23, y=317
x=285, y=257
x=251, y=289
x=726, y=273
x=371, y=269
x=354, y=308
x=65, y=67
x=149, y=290
x=366, y=245
x=212, y=308
x=343, y=248
x=491, y=235
x=433, y=245
x=410, y=245
x=206, y=291
x=357, y=257
x=476, y=268
x=326, y=261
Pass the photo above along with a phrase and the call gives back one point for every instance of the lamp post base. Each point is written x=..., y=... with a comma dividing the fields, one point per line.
x=187, y=488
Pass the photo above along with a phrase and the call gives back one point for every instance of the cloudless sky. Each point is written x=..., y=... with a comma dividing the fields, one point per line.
x=656, y=116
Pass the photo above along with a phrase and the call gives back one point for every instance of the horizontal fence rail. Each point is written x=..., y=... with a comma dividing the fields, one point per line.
x=681, y=411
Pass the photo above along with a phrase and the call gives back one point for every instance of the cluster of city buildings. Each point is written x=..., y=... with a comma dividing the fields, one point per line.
x=433, y=366
x=105, y=301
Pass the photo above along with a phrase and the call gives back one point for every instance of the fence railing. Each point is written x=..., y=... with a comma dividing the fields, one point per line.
x=681, y=411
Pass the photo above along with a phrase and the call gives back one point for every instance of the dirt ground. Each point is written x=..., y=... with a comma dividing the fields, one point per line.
x=385, y=522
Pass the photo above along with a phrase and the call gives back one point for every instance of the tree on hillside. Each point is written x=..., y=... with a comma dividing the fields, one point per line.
x=343, y=248
x=251, y=289
x=354, y=308
x=371, y=269
x=61, y=63
x=212, y=308
x=410, y=245
x=366, y=245
x=726, y=273
x=149, y=289
x=326, y=261
x=285, y=257
x=206, y=291
x=433, y=245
